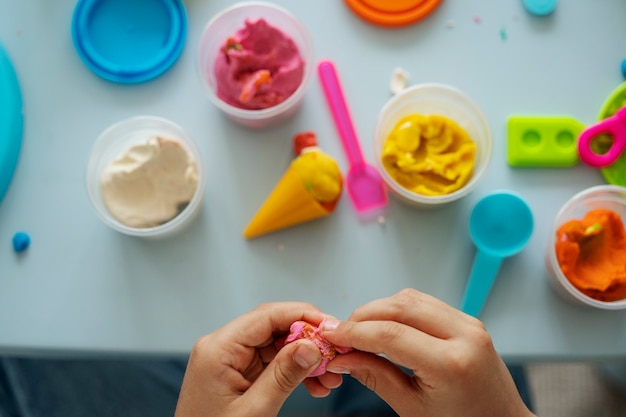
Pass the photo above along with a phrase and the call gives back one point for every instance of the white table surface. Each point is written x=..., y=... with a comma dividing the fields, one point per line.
x=82, y=287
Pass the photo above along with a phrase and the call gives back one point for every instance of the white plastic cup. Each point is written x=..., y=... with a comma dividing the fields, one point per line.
x=225, y=24
x=431, y=99
x=113, y=143
x=610, y=197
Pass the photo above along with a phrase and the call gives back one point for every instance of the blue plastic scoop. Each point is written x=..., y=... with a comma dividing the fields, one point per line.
x=500, y=226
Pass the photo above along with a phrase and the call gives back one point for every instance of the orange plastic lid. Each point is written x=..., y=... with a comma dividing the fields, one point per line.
x=393, y=12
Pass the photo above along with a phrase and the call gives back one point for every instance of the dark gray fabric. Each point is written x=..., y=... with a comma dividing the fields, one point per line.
x=89, y=388
x=32, y=387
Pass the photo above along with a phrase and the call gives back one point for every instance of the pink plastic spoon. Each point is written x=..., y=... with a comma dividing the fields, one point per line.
x=364, y=183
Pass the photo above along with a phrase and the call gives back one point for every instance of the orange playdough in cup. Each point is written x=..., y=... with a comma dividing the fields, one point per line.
x=592, y=254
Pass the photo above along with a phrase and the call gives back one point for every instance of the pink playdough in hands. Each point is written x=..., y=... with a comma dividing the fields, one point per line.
x=303, y=330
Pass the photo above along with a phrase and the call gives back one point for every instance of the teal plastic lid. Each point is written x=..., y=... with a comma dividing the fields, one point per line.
x=11, y=122
x=540, y=7
x=129, y=41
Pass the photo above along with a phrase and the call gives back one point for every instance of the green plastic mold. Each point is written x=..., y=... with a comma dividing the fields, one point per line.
x=616, y=172
x=542, y=141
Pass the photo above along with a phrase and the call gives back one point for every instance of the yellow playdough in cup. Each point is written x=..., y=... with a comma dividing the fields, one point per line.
x=429, y=154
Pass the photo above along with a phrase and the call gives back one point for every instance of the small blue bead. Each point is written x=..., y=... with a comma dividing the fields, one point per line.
x=21, y=242
x=624, y=68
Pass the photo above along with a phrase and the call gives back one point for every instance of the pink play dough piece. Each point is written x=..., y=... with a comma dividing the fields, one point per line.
x=258, y=67
x=303, y=330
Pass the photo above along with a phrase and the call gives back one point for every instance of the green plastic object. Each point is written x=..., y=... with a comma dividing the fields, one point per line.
x=616, y=172
x=542, y=141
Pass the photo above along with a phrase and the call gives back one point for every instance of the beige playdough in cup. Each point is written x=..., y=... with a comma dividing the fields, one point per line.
x=150, y=183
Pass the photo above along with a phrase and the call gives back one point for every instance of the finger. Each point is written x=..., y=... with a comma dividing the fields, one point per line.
x=258, y=326
x=402, y=344
x=330, y=380
x=289, y=368
x=388, y=381
x=315, y=388
x=418, y=310
x=267, y=353
x=321, y=386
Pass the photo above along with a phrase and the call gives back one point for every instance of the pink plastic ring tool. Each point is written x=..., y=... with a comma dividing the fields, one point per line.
x=614, y=126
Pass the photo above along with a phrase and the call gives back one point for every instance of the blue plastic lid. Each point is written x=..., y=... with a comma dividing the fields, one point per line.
x=540, y=7
x=11, y=122
x=132, y=41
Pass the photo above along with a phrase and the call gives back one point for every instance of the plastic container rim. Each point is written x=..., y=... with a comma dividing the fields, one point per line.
x=292, y=100
x=561, y=278
x=477, y=175
x=170, y=226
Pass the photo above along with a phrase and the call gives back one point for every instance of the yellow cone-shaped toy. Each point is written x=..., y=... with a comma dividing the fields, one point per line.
x=309, y=189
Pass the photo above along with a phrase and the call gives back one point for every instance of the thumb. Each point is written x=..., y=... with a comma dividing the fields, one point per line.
x=291, y=365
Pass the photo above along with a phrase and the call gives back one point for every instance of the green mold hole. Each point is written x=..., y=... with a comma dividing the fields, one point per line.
x=565, y=139
x=531, y=138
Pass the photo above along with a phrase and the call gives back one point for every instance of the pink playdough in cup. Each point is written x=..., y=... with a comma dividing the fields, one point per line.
x=258, y=67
